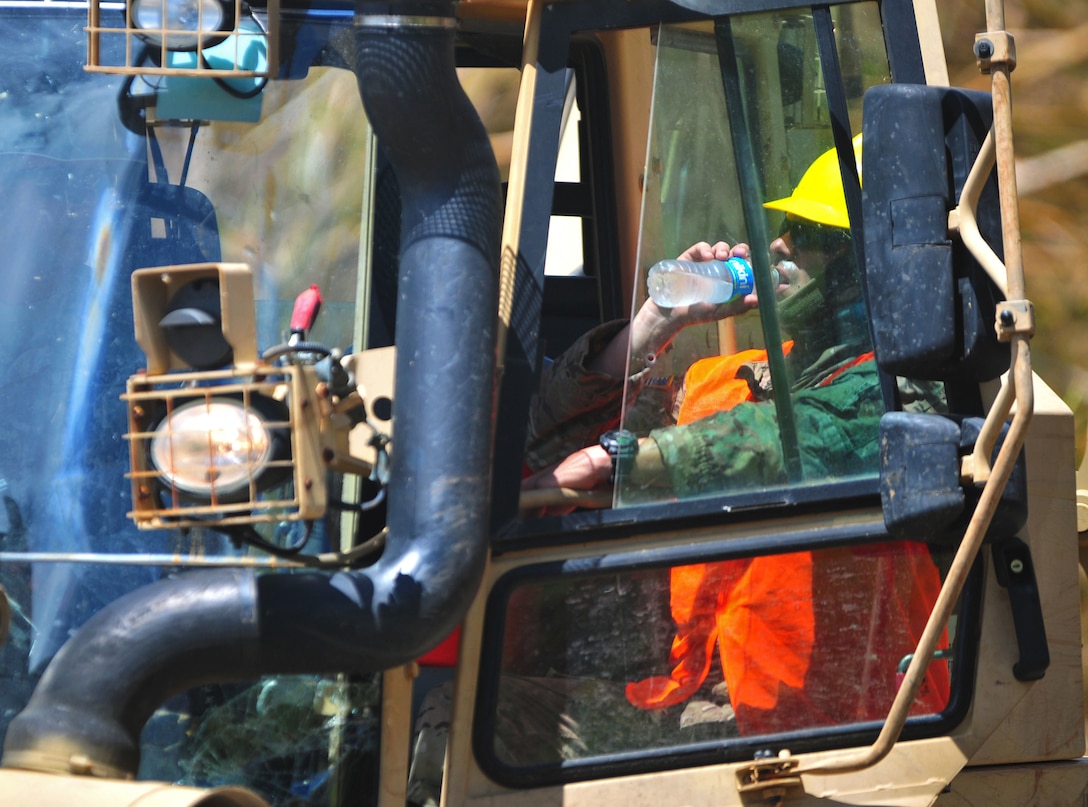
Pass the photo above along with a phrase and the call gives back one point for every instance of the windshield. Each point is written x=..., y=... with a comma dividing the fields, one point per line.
x=88, y=201
x=775, y=385
x=91, y=193
x=107, y=173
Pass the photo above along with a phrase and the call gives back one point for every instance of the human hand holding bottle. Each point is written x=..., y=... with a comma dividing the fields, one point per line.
x=655, y=325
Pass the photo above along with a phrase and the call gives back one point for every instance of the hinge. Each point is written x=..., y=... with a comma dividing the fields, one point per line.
x=769, y=778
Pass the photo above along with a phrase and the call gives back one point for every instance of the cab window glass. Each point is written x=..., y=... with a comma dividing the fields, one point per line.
x=738, y=396
x=725, y=652
x=276, y=181
x=89, y=199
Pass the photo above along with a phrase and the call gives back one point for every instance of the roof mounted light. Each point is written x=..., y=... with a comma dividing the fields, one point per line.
x=221, y=39
x=182, y=25
x=248, y=442
x=216, y=434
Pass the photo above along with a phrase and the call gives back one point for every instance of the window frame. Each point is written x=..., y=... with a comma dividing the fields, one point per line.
x=795, y=536
x=566, y=24
x=590, y=533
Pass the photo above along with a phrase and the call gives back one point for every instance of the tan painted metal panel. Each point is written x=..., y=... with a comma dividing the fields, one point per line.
x=1053, y=784
x=20, y=788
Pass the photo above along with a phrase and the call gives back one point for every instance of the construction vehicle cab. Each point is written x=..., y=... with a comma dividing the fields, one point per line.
x=300, y=305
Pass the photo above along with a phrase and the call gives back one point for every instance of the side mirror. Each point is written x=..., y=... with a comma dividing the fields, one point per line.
x=933, y=306
x=921, y=492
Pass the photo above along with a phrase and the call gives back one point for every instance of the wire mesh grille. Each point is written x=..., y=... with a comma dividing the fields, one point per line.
x=245, y=45
x=236, y=464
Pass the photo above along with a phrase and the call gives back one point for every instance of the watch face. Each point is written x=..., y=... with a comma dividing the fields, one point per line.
x=620, y=443
x=622, y=447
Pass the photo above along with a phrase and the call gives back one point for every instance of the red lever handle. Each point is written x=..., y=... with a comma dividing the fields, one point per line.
x=307, y=306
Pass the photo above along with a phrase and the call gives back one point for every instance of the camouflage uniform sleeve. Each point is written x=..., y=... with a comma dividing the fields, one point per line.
x=925, y=397
x=573, y=405
x=837, y=429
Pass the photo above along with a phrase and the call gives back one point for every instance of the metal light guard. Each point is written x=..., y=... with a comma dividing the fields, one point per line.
x=318, y=437
x=235, y=59
x=159, y=504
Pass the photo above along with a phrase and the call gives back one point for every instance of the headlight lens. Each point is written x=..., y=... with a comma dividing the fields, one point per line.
x=211, y=448
x=183, y=21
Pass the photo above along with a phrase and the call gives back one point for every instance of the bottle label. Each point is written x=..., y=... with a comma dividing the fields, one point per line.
x=743, y=279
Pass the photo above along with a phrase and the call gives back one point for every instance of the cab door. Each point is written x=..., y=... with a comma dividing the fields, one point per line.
x=749, y=602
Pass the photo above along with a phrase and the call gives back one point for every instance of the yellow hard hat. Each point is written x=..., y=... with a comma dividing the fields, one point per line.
x=819, y=195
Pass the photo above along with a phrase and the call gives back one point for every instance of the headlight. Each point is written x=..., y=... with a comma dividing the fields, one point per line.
x=217, y=448
x=184, y=25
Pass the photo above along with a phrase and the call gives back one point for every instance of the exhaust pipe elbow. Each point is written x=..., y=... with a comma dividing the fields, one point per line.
x=87, y=711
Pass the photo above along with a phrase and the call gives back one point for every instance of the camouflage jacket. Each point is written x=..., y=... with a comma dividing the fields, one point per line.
x=837, y=407
x=837, y=422
x=573, y=406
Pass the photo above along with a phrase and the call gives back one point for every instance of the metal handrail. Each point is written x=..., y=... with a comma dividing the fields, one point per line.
x=1013, y=325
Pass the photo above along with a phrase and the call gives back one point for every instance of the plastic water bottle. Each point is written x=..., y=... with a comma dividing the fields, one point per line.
x=673, y=283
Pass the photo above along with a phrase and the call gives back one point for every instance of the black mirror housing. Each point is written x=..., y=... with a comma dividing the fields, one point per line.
x=1011, y=513
x=921, y=493
x=920, y=489
x=933, y=306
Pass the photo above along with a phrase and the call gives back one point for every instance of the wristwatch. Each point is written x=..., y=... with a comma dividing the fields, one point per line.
x=622, y=447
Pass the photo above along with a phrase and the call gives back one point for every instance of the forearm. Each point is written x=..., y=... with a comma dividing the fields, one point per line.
x=648, y=471
x=575, y=401
x=591, y=469
x=648, y=334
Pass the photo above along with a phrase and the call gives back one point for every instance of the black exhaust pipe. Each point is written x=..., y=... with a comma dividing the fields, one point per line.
x=216, y=626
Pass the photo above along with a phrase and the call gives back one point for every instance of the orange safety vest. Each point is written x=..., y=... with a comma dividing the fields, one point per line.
x=806, y=639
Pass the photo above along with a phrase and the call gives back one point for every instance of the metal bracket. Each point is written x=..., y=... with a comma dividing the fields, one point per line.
x=769, y=777
x=994, y=48
x=1015, y=317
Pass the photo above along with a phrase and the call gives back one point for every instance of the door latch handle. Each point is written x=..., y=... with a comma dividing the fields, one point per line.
x=1016, y=572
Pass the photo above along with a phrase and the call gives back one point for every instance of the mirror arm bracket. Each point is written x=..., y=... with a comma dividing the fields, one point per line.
x=1015, y=317
x=995, y=48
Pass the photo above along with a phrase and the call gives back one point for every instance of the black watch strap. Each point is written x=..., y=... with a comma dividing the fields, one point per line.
x=622, y=447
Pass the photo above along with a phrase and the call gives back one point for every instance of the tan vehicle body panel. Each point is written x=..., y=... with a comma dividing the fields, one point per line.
x=1010, y=723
